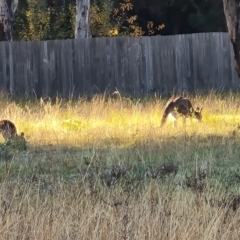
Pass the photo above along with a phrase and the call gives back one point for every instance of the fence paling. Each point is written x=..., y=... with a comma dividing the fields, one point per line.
x=133, y=65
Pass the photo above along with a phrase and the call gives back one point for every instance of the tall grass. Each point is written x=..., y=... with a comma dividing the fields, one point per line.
x=104, y=169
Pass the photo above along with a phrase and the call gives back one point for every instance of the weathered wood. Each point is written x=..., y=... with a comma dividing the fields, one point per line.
x=7, y=11
x=137, y=66
x=232, y=15
x=82, y=19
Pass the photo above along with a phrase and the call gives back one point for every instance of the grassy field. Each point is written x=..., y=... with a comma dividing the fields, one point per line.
x=104, y=169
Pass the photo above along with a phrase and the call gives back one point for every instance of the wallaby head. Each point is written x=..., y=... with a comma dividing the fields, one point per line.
x=21, y=135
x=198, y=114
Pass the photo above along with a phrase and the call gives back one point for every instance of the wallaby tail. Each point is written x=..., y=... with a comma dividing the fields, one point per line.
x=164, y=118
x=169, y=106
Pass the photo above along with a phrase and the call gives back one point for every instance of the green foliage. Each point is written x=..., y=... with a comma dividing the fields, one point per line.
x=16, y=143
x=39, y=21
x=50, y=19
x=101, y=23
x=11, y=146
x=206, y=22
x=128, y=23
x=72, y=124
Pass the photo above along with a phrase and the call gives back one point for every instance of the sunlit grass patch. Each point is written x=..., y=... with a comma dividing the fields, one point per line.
x=102, y=121
x=102, y=168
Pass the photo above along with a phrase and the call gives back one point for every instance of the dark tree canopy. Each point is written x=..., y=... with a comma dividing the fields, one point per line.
x=55, y=19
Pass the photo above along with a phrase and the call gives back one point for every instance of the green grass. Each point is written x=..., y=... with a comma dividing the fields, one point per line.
x=104, y=169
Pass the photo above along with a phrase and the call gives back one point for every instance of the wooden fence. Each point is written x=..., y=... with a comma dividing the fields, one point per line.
x=133, y=65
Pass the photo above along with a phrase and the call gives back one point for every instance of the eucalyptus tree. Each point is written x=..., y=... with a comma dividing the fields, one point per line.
x=7, y=11
x=82, y=19
x=232, y=14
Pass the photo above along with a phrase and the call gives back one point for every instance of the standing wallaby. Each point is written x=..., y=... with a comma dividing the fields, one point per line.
x=8, y=129
x=180, y=107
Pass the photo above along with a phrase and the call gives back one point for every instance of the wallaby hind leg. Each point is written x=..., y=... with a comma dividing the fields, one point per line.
x=184, y=121
x=174, y=123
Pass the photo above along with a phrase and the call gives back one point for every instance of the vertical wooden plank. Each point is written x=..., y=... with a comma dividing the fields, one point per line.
x=111, y=60
x=3, y=66
x=97, y=56
x=161, y=78
x=140, y=66
x=32, y=76
x=121, y=64
x=202, y=78
x=212, y=60
x=26, y=69
x=218, y=80
x=49, y=66
x=18, y=53
x=39, y=68
x=169, y=64
x=113, y=55
x=11, y=68
x=126, y=85
x=208, y=67
x=192, y=42
x=190, y=74
x=66, y=69
x=133, y=81
x=226, y=62
x=156, y=65
x=79, y=81
x=57, y=84
x=45, y=62
x=63, y=64
x=181, y=62
x=197, y=61
x=92, y=68
x=69, y=68
x=149, y=64
x=86, y=68
x=32, y=73
x=129, y=80
x=34, y=70
x=22, y=70
x=100, y=57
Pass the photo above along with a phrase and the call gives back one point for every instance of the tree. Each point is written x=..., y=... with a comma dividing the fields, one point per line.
x=44, y=20
x=82, y=19
x=7, y=10
x=232, y=15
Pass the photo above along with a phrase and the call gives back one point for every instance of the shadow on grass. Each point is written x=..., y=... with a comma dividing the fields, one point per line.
x=188, y=161
x=197, y=164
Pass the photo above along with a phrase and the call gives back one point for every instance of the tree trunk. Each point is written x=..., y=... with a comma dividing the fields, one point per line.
x=232, y=15
x=7, y=10
x=82, y=19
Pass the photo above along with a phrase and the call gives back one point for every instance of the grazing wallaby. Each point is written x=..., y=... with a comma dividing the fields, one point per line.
x=180, y=107
x=8, y=129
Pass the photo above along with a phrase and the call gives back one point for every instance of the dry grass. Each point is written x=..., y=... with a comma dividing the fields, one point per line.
x=103, y=169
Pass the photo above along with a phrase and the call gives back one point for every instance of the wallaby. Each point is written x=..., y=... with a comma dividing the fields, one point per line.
x=8, y=129
x=180, y=107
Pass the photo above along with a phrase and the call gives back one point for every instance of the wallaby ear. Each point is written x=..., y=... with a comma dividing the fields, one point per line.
x=199, y=109
x=22, y=134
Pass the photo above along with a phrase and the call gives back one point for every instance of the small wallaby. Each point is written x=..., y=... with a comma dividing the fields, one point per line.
x=180, y=107
x=8, y=129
